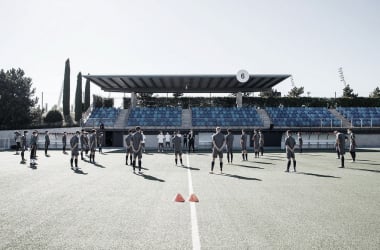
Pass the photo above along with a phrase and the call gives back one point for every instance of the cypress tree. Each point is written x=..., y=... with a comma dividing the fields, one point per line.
x=87, y=96
x=66, y=91
x=78, y=98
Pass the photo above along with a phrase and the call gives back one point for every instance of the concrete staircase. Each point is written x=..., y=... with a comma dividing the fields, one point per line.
x=186, y=118
x=345, y=122
x=121, y=121
x=264, y=117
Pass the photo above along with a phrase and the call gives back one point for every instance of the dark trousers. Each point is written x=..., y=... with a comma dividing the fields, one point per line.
x=33, y=149
x=191, y=145
x=353, y=155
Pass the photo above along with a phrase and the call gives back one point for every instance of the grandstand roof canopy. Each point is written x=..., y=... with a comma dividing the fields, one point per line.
x=184, y=83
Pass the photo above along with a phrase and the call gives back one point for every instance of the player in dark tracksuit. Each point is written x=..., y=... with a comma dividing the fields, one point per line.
x=128, y=147
x=341, y=146
x=83, y=143
x=64, y=142
x=290, y=144
x=229, y=144
x=352, y=144
x=92, y=145
x=47, y=142
x=74, y=143
x=177, y=143
x=33, y=147
x=191, y=140
x=256, y=143
x=136, y=144
x=24, y=146
x=243, y=144
x=218, y=143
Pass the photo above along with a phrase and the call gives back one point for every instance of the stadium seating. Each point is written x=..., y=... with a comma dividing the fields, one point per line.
x=153, y=117
x=107, y=116
x=302, y=117
x=361, y=116
x=221, y=116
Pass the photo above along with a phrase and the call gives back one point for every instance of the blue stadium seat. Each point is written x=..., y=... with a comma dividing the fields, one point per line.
x=224, y=116
x=155, y=117
x=361, y=116
x=107, y=116
x=302, y=117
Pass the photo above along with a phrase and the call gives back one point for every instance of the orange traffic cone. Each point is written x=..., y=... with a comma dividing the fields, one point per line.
x=193, y=198
x=179, y=198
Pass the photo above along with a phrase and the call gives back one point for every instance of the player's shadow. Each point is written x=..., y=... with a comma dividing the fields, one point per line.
x=241, y=177
x=373, y=164
x=246, y=166
x=95, y=164
x=98, y=165
x=275, y=159
x=319, y=175
x=364, y=169
x=191, y=168
x=141, y=168
x=78, y=171
x=310, y=154
x=262, y=162
x=152, y=178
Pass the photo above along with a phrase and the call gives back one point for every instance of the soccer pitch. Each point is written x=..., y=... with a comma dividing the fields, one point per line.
x=254, y=204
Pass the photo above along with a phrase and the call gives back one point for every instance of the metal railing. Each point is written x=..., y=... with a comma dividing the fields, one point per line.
x=365, y=122
x=306, y=122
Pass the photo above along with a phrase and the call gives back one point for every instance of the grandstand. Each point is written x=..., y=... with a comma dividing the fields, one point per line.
x=244, y=117
x=314, y=120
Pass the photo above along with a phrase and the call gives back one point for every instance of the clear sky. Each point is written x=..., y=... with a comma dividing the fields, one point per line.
x=309, y=39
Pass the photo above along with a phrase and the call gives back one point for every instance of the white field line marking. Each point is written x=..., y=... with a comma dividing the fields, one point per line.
x=193, y=211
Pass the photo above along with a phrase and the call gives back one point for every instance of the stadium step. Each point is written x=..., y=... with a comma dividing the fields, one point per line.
x=345, y=122
x=264, y=117
x=186, y=118
x=121, y=120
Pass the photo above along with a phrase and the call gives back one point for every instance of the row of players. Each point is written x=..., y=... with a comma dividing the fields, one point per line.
x=88, y=141
x=135, y=143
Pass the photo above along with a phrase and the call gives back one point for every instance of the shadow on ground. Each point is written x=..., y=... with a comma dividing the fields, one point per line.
x=319, y=175
x=246, y=166
x=364, y=169
x=191, y=168
x=240, y=177
x=152, y=178
x=78, y=171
